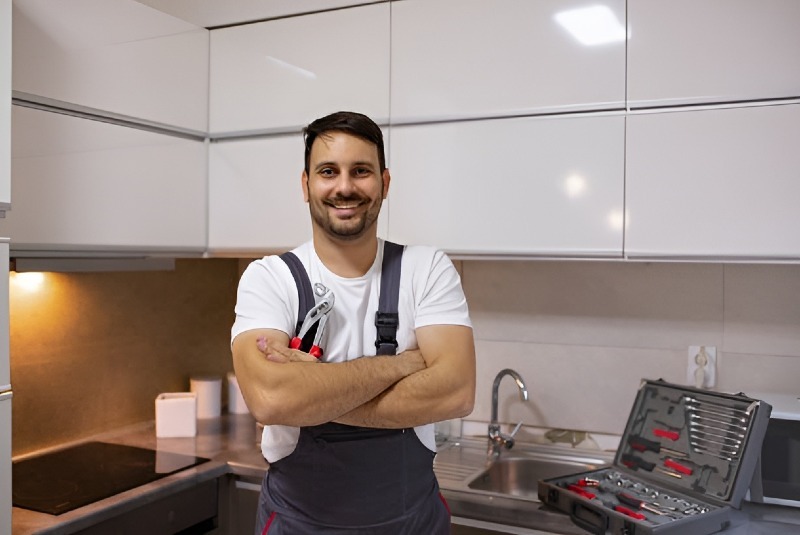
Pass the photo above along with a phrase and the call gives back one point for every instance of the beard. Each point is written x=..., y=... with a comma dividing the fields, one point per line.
x=350, y=228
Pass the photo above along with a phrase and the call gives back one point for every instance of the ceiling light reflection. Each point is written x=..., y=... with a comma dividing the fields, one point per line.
x=591, y=26
x=616, y=219
x=293, y=68
x=575, y=185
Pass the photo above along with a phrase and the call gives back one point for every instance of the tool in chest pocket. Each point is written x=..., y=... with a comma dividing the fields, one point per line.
x=316, y=316
x=687, y=456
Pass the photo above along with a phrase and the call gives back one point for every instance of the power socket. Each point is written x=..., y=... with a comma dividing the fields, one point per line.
x=708, y=374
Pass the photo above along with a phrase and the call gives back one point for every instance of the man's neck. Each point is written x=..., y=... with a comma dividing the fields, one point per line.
x=346, y=258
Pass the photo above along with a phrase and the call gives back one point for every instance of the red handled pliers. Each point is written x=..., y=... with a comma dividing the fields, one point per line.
x=317, y=314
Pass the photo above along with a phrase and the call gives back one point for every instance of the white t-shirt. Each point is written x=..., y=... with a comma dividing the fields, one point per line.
x=430, y=294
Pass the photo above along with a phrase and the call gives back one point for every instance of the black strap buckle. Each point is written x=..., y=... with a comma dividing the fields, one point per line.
x=386, y=324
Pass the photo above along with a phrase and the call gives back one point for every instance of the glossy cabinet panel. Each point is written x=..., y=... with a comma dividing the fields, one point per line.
x=88, y=186
x=255, y=196
x=278, y=76
x=116, y=56
x=684, y=51
x=208, y=13
x=5, y=364
x=5, y=466
x=5, y=104
x=471, y=58
x=541, y=186
x=714, y=183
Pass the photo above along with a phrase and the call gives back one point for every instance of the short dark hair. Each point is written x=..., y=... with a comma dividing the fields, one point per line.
x=349, y=122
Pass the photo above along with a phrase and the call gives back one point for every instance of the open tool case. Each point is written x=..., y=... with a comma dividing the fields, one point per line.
x=687, y=456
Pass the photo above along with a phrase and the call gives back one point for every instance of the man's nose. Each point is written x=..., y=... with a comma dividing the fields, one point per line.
x=345, y=184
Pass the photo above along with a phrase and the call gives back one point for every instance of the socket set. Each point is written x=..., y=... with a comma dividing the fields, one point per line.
x=686, y=457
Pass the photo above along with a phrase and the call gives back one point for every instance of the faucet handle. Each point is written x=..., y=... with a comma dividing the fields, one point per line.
x=514, y=432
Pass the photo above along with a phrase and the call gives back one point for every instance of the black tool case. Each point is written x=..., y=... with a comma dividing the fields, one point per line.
x=687, y=456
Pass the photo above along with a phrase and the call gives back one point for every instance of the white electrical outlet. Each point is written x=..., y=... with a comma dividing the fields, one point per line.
x=701, y=370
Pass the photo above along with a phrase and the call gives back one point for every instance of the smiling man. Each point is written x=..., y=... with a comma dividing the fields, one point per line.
x=349, y=438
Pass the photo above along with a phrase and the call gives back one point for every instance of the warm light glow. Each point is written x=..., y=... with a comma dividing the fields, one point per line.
x=595, y=25
x=575, y=185
x=28, y=281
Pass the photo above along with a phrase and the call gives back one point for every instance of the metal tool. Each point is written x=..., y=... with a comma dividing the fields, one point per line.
x=699, y=418
x=718, y=414
x=716, y=430
x=711, y=404
x=317, y=315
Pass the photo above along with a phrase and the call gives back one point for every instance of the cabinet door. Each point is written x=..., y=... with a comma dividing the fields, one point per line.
x=684, y=51
x=277, y=76
x=549, y=186
x=255, y=196
x=470, y=58
x=5, y=105
x=256, y=201
x=116, y=56
x=714, y=183
x=85, y=185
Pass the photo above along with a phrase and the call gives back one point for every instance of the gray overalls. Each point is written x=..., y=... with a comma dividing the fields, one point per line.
x=343, y=479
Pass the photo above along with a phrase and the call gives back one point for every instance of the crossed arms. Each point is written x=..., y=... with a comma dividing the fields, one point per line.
x=287, y=387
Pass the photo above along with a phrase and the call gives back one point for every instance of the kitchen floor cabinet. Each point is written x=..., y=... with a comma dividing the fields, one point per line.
x=525, y=186
x=468, y=58
x=116, y=56
x=279, y=75
x=719, y=183
x=86, y=186
x=683, y=51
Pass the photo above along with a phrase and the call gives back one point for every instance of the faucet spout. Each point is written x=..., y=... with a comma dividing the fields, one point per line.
x=497, y=440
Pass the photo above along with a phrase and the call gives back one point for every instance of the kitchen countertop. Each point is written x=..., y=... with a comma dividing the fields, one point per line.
x=230, y=442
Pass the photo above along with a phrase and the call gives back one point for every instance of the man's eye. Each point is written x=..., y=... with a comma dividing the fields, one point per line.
x=362, y=171
x=327, y=172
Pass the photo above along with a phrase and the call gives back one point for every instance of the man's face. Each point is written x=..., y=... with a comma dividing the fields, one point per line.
x=344, y=186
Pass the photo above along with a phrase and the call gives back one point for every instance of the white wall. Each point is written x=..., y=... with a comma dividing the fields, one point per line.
x=583, y=334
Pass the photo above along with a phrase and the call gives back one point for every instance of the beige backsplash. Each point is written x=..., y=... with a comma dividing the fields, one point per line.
x=91, y=351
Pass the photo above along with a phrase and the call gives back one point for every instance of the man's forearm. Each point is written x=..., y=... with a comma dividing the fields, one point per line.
x=303, y=394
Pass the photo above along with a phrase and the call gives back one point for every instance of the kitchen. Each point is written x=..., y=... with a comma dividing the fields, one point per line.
x=564, y=285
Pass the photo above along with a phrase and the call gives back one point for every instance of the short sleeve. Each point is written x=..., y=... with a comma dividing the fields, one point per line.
x=265, y=299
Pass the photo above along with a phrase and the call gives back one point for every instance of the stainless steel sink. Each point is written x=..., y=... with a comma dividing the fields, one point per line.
x=519, y=475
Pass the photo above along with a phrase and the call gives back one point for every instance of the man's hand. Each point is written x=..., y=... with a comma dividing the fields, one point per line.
x=282, y=355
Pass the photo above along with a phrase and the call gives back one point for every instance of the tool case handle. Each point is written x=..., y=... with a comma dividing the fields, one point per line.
x=599, y=519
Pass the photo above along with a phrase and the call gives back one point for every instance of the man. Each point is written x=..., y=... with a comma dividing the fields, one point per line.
x=350, y=439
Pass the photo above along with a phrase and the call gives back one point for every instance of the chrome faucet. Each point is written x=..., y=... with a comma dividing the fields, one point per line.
x=498, y=440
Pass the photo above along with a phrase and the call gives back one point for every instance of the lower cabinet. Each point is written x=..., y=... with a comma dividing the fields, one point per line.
x=192, y=511
x=238, y=504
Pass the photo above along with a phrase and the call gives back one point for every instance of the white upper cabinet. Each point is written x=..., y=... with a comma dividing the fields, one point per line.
x=715, y=183
x=256, y=201
x=5, y=105
x=82, y=185
x=540, y=186
x=116, y=56
x=685, y=51
x=471, y=58
x=255, y=196
x=277, y=76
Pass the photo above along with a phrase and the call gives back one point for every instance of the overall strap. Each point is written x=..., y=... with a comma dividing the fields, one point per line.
x=387, y=317
x=305, y=294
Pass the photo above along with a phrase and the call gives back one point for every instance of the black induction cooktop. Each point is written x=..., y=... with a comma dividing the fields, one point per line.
x=64, y=480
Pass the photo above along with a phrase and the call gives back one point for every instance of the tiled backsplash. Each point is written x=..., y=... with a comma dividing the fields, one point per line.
x=91, y=351
x=583, y=334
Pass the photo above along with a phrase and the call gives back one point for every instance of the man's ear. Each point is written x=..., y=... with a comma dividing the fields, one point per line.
x=387, y=178
x=304, y=185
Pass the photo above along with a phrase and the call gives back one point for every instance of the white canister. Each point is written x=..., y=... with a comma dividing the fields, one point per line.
x=209, y=395
x=236, y=404
x=176, y=414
